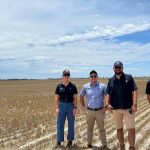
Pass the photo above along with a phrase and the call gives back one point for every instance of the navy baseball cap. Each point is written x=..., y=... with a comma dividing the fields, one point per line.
x=118, y=63
x=66, y=72
x=93, y=71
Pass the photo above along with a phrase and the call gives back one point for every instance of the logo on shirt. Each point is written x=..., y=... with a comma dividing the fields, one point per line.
x=126, y=82
x=61, y=89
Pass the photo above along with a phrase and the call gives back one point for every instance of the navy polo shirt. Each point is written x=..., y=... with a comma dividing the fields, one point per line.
x=66, y=93
x=120, y=91
x=148, y=87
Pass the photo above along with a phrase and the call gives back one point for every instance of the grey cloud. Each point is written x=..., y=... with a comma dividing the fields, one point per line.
x=7, y=59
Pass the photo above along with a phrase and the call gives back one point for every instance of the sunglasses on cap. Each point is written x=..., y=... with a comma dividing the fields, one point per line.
x=66, y=74
x=118, y=67
x=94, y=76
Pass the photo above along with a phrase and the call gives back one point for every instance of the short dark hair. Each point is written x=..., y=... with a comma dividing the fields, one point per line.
x=93, y=71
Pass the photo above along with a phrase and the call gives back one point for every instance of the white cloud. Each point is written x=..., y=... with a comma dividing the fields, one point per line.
x=101, y=32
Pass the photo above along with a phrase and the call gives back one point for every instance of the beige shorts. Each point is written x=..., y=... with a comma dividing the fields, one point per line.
x=121, y=115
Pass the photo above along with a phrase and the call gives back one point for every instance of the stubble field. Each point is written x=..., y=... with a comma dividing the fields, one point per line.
x=28, y=120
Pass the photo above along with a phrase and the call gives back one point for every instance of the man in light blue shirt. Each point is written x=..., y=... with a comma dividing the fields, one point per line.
x=94, y=92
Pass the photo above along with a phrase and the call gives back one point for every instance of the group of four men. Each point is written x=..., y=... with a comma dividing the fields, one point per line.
x=120, y=99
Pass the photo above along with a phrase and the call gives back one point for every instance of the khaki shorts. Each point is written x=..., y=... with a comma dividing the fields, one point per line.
x=123, y=114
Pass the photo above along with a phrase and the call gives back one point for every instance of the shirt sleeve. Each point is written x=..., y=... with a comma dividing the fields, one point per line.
x=134, y=87
x=108, y=87
x=75, y=90
x=83, y=91
x=57, y=90
x=148, y=88
x=105, y=89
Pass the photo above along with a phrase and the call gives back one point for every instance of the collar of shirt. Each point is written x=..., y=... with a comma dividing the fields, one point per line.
x=94, y=85
x=121, y=77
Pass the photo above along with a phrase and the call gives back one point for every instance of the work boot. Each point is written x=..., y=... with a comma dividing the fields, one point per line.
x=69, y=144
x=89, y=146
x=105, y=147
x=131, y=148
x=122, y=147
x=58, y=144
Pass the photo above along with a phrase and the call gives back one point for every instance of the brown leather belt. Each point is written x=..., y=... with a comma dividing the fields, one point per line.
x=95, y=109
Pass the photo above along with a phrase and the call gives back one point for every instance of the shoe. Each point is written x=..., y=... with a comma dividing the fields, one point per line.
x=131, y=148
x=106, y=148
x=58, y=144
x=122, y=147
x=89, y=146
x=69, y=144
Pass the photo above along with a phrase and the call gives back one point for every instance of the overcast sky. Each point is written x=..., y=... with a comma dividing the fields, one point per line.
x=40, y=38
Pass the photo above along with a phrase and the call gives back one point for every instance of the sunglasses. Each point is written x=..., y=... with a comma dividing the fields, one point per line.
x=94, y=76
x=66, y=74
x=118, y=67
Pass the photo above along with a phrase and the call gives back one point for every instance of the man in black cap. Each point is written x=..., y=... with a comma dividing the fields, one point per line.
x=93, y=93
x=121, y=100
x=66, y=105
x=148, y=91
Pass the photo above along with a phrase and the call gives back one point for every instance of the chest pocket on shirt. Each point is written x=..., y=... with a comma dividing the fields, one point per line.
x=61, y=90
x=96, y=92
x=89, y=92
x=100, y=91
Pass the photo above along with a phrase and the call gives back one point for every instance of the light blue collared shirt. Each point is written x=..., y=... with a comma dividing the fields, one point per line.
x=94, y=94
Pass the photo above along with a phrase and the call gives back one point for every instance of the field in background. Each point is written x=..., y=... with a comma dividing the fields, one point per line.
x=28, y=121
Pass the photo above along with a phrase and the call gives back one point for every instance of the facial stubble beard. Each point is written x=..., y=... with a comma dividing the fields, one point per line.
x=118, y=73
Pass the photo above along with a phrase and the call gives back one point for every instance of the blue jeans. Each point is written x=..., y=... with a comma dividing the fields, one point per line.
x=65, y=110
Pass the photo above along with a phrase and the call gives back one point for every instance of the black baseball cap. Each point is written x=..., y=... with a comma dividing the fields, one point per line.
x=93, y=71
x=118, y=63
x=66, y=72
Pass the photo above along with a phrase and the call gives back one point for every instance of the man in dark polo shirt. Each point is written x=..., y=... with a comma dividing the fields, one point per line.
x=66, y=105
x=121, y=100
x=148, y=91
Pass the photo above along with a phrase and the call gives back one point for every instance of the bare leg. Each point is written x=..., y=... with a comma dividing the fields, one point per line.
x=120, y=135
x=131, y=137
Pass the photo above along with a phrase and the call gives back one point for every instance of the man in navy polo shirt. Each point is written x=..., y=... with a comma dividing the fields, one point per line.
x=121, y=100
x=66, y=105
x=148, y=91
x=94, y=108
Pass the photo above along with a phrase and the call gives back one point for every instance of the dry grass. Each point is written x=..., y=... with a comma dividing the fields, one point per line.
x=27, y=113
